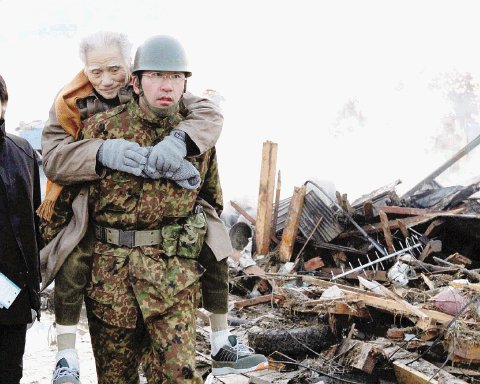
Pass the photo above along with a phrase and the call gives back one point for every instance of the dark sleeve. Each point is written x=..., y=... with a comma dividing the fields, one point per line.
x=211, y=190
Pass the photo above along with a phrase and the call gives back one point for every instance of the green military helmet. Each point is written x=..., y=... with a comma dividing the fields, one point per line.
x=161, y=53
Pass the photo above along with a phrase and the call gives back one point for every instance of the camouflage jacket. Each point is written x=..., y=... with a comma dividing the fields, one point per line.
x=127, y=202
x=146, y=278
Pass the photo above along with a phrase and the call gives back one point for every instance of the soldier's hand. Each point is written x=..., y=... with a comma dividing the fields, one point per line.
x=123, y=155
x=166, y=157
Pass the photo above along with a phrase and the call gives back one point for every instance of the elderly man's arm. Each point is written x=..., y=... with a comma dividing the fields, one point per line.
x=203, y=124
x=66, y=161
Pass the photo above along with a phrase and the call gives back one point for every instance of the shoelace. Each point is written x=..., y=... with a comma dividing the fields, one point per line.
x=66, y=371
x=243, y=349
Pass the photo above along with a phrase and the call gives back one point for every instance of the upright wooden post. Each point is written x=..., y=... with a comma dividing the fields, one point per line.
x=265, y=197
x=291, y=224
x=277, y=203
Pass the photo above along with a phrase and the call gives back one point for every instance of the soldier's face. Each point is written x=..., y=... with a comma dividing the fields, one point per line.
x=106, y=70
x=161, y=89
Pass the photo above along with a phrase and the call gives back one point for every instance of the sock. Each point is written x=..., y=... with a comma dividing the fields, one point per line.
x=218, y=322
x=66, y=335
x=218, y=340
x=71, y=356
x=220, y=332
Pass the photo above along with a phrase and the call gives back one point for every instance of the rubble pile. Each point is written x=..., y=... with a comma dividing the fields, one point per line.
x=385, y=289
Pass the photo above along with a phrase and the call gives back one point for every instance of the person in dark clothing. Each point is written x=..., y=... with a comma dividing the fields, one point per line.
x=19, y=246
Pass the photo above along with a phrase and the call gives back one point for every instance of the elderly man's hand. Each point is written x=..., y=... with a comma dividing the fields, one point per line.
x=166, y=157
x=123, y=155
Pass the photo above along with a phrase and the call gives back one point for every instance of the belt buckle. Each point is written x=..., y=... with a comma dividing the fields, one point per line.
x=126, y=238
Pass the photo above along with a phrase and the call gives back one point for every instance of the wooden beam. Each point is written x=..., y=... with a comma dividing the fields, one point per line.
x=291, y=224
x=410, y=369
x=277, y=203
x=257, y=300
x=404, y=210
x=386, y=232
x=263, y=227
x=403, y=228
x=408, y=375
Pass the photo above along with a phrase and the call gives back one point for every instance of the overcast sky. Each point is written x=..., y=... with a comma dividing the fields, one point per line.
x=287, y=70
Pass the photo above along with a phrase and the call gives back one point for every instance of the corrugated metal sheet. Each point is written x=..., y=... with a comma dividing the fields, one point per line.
x=313, y=208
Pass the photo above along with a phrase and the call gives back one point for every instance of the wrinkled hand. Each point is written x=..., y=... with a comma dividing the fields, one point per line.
x=123, y=155
x=166, y=157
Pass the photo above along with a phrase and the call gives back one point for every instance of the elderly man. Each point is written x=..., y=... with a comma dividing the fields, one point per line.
x=19, y=246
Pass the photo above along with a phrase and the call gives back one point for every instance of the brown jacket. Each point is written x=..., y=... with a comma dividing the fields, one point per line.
x=67, y=162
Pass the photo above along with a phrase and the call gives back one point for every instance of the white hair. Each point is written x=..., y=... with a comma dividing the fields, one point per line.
x=106, y=39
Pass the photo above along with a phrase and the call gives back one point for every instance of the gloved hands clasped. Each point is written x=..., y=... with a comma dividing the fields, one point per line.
x=165, y=159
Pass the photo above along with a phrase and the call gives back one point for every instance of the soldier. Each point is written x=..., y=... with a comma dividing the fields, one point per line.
x=19, y=245
x=145, y=275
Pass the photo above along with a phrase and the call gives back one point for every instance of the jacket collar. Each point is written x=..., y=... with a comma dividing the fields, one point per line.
x=2, y=129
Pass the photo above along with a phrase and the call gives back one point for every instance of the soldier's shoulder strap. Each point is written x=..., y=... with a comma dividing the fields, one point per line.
x=91, y=104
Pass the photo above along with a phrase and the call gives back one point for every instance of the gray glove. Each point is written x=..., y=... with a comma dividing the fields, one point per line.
x=123, y=155
x=187, y=176
x=167, y=155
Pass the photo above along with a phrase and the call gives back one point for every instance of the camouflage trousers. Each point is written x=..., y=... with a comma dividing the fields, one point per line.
x=164, y=346
x=141, y=307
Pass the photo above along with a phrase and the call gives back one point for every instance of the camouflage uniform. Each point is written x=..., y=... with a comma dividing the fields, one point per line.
x=141, y=300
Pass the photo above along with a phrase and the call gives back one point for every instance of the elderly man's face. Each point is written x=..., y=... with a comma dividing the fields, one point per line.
x=106, y=70
x=161, y=89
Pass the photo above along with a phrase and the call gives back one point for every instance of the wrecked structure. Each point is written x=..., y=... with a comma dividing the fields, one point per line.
x=385, y=289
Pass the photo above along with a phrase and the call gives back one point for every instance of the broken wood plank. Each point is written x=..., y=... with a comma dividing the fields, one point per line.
x=291, y=225
x=360, y=355
x=368, y=211
x=277, y=203
x=432, y=226
x=313, y=264
x=403, y=228
x=374, y=228
x=263, y=227
x=472, y=275
x=404, y=210
x=376, y=287
x=257, y=300
x=418, y=368
x=386, y=232
x=457, y=258
x=371, y=275
x=408, y=375
x=427, y=281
